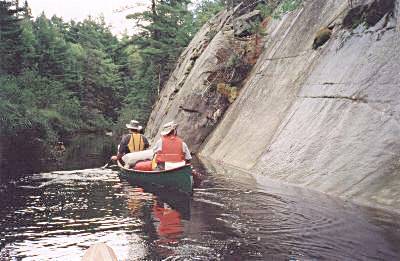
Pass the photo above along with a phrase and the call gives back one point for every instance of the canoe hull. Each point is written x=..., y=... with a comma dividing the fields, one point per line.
x=179, y=179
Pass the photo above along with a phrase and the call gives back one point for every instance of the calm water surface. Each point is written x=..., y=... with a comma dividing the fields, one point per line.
x=58, y=215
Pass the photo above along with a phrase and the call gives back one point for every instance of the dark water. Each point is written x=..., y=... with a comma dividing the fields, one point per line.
x=85, y=151
x=20, y=156
x=57, y=215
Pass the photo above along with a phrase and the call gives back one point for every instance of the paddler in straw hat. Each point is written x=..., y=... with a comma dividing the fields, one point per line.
x=132, y=142
x=170, y=149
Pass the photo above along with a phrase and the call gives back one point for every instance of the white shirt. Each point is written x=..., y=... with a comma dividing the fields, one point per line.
x=186, y=152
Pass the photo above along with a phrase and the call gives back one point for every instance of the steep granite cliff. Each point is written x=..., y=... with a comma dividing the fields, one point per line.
x=321, y=112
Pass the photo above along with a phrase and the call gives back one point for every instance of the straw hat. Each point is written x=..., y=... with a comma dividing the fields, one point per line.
x=168, y=127
x=134, y=125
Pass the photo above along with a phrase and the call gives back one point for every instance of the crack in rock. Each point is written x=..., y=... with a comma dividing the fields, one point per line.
x=189, y=110
x=352, y=98
x=288, y=57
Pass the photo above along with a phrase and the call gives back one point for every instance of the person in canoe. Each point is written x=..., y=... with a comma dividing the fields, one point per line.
x=132, y=142
x=170, y=150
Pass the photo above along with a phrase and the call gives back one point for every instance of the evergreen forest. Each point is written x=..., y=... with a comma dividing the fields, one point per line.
x=61, y=77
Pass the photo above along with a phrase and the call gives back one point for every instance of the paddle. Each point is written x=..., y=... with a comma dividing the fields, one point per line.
x=113, y=158
x=107, y=164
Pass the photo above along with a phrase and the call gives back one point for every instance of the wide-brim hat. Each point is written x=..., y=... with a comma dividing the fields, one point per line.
x=134, y=125
x=168, y=127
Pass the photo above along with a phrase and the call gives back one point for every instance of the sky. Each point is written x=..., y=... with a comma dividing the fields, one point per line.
x=80, y=9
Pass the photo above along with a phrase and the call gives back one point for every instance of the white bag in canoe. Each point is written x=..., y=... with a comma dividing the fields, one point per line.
x=131, y=158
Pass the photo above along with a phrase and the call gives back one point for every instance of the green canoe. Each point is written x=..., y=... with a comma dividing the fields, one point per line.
x=179, y=179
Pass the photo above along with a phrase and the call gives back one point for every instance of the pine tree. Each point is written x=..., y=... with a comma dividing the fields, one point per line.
x=51, y=48
x=205, y=10
x=29, y=43
x=10, y=38
x=166, y=29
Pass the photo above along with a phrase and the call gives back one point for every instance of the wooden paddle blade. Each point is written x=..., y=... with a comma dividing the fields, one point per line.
x=99, y=252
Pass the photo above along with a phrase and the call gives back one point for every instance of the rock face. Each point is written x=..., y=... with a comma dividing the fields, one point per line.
x=186, y=97
x=193, y=96
x=328, y=119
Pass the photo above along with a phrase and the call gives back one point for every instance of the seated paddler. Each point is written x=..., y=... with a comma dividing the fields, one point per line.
x=170, y=150
x=132, y=142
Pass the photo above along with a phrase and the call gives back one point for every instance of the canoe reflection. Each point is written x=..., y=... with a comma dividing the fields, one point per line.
x=169, y=227
x=137, y=199
x=163, y=210
x=140, y=196
x=177, y=201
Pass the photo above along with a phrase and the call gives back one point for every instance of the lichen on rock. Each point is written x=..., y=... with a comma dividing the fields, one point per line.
x=228, y=91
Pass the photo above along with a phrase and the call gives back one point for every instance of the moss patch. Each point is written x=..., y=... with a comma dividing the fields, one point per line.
x=321, y=37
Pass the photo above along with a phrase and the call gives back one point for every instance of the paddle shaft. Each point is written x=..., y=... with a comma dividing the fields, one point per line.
x=108, y=163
